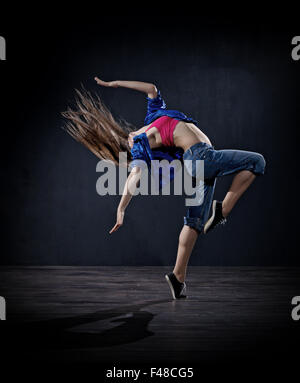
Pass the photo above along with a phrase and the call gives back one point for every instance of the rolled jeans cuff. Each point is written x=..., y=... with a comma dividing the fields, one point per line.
x=194, y=222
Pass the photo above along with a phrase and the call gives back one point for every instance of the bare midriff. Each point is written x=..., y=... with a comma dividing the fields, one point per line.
x=185, y=135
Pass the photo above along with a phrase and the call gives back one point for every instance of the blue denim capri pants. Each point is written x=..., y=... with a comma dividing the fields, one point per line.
x=217, y=163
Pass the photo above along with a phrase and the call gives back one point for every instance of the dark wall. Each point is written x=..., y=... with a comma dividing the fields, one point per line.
x=237, y=79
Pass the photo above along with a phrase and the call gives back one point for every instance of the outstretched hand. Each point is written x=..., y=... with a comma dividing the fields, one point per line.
x=120, y=218
x=109, y=84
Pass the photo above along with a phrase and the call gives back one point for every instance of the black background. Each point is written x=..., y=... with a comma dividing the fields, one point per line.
x=234, y=75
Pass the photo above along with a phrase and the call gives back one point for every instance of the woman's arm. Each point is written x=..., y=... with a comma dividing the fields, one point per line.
x=148, y=88
x=129, y=189
x=135, y=133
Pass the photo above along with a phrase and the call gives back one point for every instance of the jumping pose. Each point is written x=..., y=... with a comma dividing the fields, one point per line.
x=94, y=126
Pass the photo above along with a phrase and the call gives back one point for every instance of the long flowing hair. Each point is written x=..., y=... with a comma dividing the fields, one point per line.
x=93, y=125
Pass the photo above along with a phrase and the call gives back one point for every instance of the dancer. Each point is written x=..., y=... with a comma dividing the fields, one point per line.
x=94, y=126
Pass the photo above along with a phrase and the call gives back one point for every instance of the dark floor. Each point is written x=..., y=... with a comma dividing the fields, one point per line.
x=126, y=315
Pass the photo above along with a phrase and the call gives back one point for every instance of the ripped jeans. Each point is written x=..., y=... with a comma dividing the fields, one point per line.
x=217, y=163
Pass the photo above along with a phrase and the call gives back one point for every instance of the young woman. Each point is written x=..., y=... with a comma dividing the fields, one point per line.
x=94, y=126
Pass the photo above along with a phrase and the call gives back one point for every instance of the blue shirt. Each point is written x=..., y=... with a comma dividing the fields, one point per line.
x=141, y=151
x=156, y=107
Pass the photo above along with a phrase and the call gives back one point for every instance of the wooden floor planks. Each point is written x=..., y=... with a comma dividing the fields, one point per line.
x=126, y=314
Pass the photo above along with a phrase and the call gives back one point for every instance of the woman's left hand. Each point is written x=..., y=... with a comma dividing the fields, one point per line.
x=130, y=138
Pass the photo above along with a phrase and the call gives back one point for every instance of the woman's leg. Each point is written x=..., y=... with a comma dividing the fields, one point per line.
x=240, y=184
x=194, y=221
x=189, y=235
x=187, y=240
x=245, y=165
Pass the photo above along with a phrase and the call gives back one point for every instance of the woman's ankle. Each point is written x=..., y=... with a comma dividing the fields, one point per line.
x=225, y=211
x=179, y=276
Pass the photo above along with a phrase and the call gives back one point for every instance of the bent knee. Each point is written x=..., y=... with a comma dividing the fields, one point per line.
x=259, y=164
x=193, y=224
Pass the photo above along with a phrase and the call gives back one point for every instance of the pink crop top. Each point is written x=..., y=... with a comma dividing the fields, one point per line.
x=165, y=126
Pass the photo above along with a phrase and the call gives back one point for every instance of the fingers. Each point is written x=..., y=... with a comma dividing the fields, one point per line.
x=100, y=82
x=130, y=138
x=130, y=141
x=115, y=228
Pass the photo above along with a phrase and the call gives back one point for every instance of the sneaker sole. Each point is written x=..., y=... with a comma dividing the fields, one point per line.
x=210, y=221
x=171, y=286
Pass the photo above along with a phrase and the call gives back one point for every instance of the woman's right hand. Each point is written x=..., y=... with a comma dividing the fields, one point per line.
x=109, y=84
x=120, y=218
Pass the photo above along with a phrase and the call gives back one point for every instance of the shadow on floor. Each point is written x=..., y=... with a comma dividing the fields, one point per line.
x=57, y=333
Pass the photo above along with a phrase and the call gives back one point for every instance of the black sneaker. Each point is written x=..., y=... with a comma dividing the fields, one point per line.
x=177, y=288
x=216, y=217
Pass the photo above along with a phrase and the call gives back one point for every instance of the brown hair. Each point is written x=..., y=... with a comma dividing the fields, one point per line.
x=93, y=125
